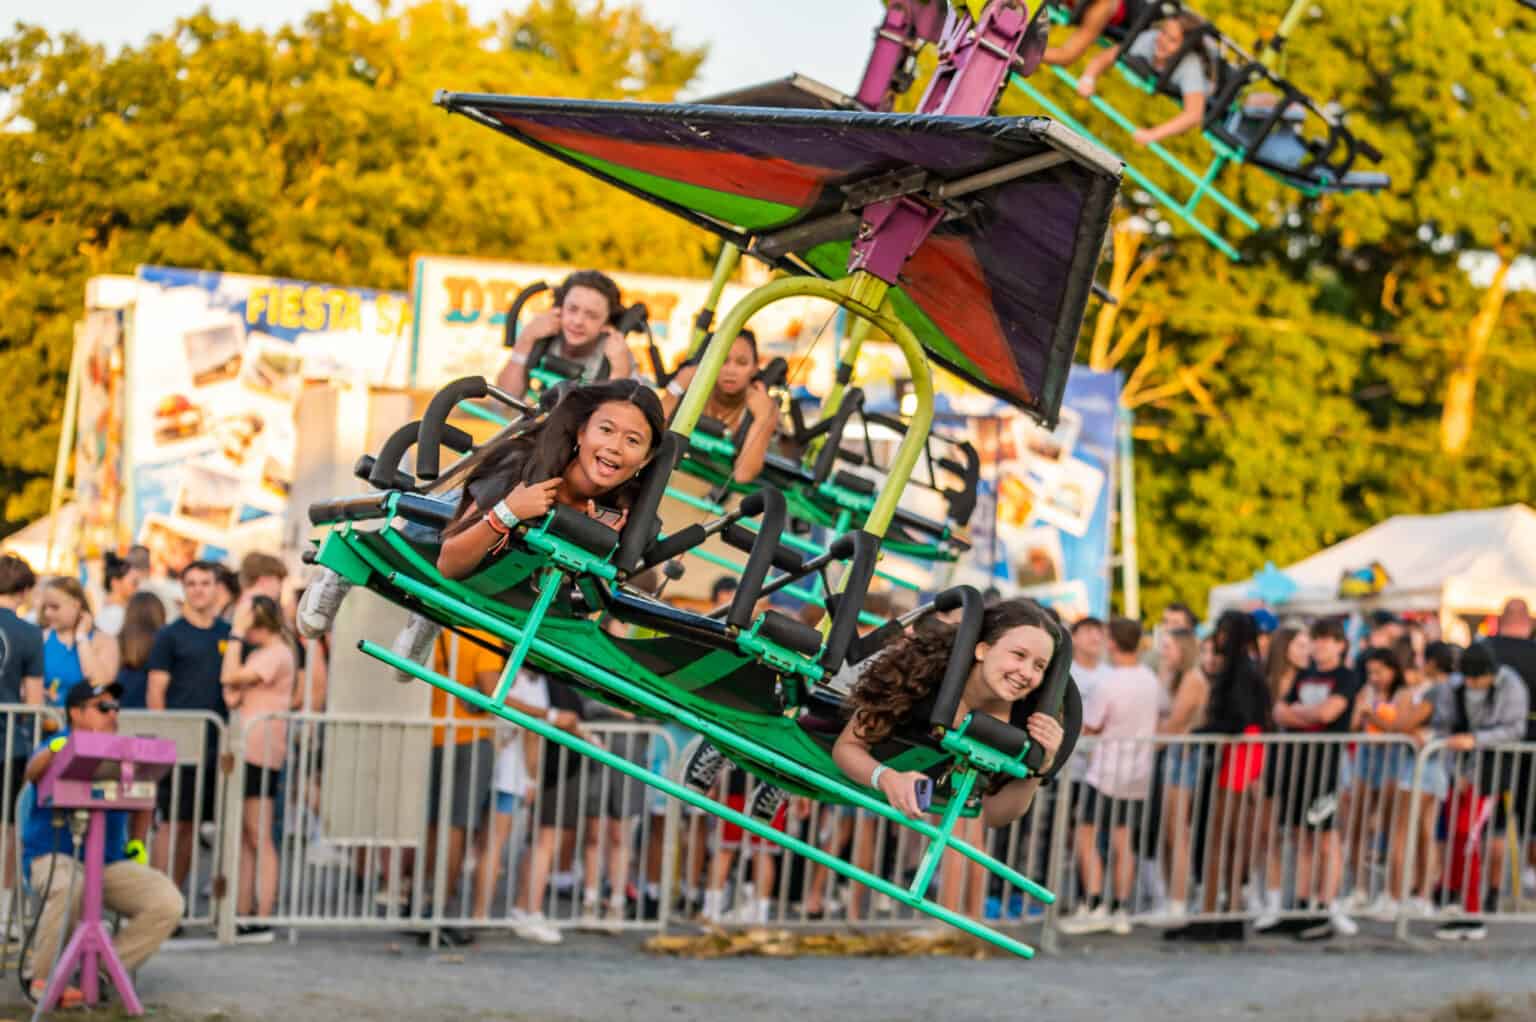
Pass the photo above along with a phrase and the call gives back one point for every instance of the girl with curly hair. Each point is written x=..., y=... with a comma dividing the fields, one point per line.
x=1010, y=662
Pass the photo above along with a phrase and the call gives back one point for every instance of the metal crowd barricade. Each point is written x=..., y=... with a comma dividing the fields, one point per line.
x=732, y=880
x=1256, y=827
x=201, y=780
x=370, y=816
x=1477, y=839
x=199, y=741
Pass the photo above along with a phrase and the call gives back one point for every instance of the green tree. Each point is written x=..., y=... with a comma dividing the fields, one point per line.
x=1339, y=362
x=313, y=152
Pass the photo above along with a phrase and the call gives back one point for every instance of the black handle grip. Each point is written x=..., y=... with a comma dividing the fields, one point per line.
x=853, y=401
x=385, y=474
x=758, y=561
x=509, y=333
x=775, y=373
x=962, y=502
x=434, y=425
x=643, y=523
x=364, y=470
x=632, y=320
x=679, y=542
x=861, y=569
x=967, y=634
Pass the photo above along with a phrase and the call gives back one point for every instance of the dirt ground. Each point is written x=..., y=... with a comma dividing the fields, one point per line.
x=388, y=977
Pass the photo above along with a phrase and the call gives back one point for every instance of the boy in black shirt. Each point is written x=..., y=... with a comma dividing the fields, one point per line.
x=184, y=667
x=1308, y=776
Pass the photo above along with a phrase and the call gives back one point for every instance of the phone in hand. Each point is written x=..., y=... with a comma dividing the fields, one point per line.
x=923, y=787
x=609, y=516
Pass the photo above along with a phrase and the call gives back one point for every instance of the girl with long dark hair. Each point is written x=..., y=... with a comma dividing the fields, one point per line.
x=1239, y=705
x=586, y=454
x=737, y=394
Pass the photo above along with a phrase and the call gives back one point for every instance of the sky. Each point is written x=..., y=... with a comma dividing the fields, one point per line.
x=750, y=40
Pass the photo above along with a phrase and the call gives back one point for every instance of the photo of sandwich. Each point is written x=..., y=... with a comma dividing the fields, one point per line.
x=213, y=352
x=177, y=418
x=273, y=368
x=236, y=435
x=208, y=497
x=1036, y=555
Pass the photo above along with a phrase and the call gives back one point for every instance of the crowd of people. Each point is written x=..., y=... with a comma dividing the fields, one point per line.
x=1275, y=768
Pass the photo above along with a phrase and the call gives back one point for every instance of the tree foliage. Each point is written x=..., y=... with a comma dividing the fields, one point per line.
x=1282, y=403
x=1312, y=389
x=313, y=152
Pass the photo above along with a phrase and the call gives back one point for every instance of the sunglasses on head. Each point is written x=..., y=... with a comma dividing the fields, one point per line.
x=105, y=706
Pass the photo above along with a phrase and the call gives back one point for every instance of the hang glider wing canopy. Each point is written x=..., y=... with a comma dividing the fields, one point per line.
x=996, y=294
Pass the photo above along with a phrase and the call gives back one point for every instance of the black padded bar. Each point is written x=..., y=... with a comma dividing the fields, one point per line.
x=644, y=523
x=586, y=532
x=962, y=502
x=434, y=424
x=364, y=467
x=750, y=585
x=967, y=634
x=509, y=336
x=744, y=539
x=841, y=549
x=792, y=634
x=1002, y=736
x=861, y=569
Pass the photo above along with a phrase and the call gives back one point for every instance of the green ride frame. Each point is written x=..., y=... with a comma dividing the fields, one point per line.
x=551, y=558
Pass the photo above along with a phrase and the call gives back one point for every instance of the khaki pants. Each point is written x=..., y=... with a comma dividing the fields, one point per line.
x=148, y=901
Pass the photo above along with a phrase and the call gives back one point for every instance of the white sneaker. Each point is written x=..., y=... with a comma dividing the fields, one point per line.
x=1269, y=918
x=1120, y=923
x=1253, y=901
x=752, y=912
x=1342, y=923
x=1384, y=908
x=1462, y=929
x=1419, y=908
x=1086, y=920
x=534, y=927
x=1173, y=915
x=322, y=597
x=414, y=642
x=1359, y=900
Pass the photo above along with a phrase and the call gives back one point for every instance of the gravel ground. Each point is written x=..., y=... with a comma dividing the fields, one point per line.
x=382, y=977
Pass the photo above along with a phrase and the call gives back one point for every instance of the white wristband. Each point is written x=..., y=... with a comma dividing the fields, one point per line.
x=552, y=715
x=674, y=388
x=517, y=358
x=874, y=777
x=504, y=514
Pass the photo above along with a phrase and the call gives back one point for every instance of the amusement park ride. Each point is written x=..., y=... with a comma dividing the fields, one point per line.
x=970, y=241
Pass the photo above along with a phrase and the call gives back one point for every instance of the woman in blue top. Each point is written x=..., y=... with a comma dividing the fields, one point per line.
x=73, y=649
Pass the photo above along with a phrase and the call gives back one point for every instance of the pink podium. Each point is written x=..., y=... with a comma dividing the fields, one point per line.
x=93, y=773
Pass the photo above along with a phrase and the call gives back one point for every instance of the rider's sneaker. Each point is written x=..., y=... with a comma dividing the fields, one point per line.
x=766, y=802
x=703, y=767
x=317, y=610
x=415, y=641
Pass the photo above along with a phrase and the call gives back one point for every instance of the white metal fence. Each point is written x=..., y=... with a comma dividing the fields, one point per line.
x=423, y=826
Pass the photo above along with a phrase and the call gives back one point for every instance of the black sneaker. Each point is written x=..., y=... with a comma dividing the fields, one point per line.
x=766, y=802
x=1207, y=932
x=703, y=767
x=254, y=934
x=1317, y=929
x=1461, y=929
x=650, y=907
x=447, y=936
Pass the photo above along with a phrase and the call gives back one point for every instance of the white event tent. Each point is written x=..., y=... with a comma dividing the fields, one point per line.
x=1460, y=562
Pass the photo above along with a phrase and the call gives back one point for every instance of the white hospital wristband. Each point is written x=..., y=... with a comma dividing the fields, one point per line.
x=504, y=514
x=551, y=715
x=874, y=778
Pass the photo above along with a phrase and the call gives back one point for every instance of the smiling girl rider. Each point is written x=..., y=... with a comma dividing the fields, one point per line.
x=901, y=684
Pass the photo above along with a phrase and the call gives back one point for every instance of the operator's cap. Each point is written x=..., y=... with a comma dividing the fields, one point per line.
x=83, y=692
